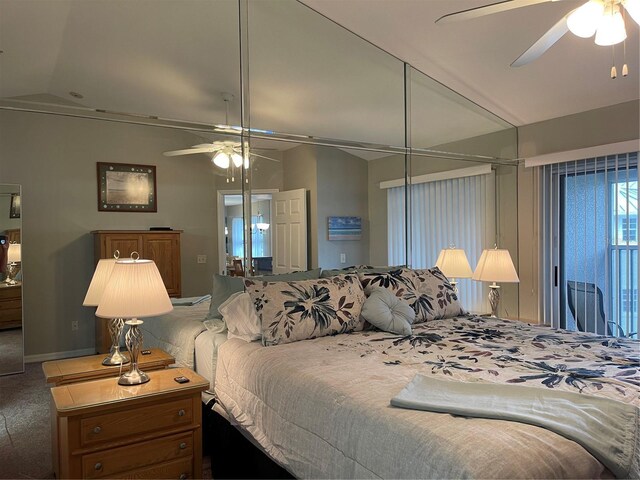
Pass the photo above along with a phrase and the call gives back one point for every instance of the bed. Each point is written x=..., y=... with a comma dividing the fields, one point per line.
x=321, y=407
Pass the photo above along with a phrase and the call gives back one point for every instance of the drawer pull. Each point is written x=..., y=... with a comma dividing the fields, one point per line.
x=183, y=445
x=183, y=476
x=97, y=429
x=181, y=412
x=98, y=466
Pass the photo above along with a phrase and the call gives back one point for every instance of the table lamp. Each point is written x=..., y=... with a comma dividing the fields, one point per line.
x=135, y=290
x=92, y=299
x=495, y=265
x=14, y=257
x=454, y=264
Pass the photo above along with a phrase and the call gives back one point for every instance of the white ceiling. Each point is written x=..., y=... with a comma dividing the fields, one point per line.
x=473, y=57
x=174, y=58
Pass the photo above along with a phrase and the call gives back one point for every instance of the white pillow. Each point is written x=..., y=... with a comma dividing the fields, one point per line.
x=241, y=317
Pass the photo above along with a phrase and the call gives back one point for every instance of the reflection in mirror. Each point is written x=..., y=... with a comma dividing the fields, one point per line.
x=463, y=190
x=446, y=122
x=115, y=55
x=310, y=76
x=346, y=208
x=11, y=337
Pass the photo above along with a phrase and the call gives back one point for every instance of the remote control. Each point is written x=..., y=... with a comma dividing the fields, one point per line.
x=146, y=352
x=181, y=379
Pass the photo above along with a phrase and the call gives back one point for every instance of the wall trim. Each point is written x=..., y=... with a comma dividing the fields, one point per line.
x=44, y=357
x=582, y=153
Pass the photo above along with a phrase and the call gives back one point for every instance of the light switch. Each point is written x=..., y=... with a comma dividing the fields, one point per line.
x=343, y=258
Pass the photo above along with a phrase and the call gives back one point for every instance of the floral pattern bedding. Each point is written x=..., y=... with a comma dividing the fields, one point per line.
x=505, y=351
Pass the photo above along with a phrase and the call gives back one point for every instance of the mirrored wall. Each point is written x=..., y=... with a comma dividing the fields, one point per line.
x=11, y=338
x=277, y=100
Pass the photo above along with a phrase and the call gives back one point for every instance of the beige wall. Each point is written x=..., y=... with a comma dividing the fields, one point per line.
x=54, y=159
x=616, y=123
x=342, y=191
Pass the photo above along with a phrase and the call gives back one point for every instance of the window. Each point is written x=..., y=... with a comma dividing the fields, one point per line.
x=629, y=301
x=629, y=227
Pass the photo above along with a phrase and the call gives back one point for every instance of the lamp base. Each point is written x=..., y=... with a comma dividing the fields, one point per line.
x=133, y=339
x=115, y=357
x=133, y=377
x=494, y=299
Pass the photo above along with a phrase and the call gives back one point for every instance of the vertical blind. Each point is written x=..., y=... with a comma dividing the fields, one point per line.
x=456, y=211
x=589, y=230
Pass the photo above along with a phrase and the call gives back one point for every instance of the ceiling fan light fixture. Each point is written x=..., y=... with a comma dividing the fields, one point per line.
x=221, y=159
x=633, y=8
x=237, y=160
x=611, y=30
x=584, y=21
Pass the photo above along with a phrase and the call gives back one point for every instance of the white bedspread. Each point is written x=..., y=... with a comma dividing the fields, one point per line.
x=321, y=407
x=176, y=332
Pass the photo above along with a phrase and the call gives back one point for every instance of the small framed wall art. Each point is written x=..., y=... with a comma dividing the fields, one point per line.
x=124, y=187
x=345, y=228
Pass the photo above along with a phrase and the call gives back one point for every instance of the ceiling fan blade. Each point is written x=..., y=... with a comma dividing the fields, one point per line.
x=489, y=10
x=266, y=158
x=544, y=43
x=188, y=151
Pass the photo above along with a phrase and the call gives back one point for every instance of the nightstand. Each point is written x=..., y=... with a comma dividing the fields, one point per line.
x=80, y=369
x=104, y=430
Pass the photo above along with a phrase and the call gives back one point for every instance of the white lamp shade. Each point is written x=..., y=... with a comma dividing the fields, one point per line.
x=611, y=28
x=15, y=253
x=495, y=265
x=584, y=21
x=633, y=8
x=453, y=263
x=99, y=282
x=135, y=290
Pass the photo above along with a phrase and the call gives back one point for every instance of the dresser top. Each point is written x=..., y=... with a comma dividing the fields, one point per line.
x=107, y=391
x=90, y=367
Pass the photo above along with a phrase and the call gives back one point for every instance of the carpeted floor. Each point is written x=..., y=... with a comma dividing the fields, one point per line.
x=11, y=350
x=25, y=432
x=25, y=429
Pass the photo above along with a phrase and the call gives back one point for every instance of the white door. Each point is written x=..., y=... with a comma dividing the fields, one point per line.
x=290, y=231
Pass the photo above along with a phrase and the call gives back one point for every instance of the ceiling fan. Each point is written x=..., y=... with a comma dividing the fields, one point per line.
x=604, y=18
x=227, y=154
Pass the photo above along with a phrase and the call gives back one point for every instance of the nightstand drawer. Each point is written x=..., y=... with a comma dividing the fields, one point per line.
x=180, y=470
x=117, y=460
x=117, y=425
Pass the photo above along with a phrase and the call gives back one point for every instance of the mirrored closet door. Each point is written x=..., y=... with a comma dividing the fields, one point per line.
x=11, y=337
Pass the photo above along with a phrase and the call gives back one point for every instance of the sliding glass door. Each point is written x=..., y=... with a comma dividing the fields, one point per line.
x=590, y=233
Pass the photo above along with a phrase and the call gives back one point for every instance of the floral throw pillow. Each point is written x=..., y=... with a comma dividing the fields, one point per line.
x=403, y=284
x=292, y=311
x=432, y=283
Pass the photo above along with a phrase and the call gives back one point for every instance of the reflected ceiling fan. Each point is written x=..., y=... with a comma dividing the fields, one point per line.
x=604, y=18
x=227, y=154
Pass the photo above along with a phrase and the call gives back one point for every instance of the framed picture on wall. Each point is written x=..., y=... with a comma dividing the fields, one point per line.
x=124, y=187
x=14, y=209
x=344, y=228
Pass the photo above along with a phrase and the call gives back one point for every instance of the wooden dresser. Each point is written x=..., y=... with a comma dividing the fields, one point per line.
x=10, y=305
x=163, y=247
x=104, y=430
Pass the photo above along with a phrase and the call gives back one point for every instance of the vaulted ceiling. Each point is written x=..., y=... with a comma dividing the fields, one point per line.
x=174, y=58
x=473, y=56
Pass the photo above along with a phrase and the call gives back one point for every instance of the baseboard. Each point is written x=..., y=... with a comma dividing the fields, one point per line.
x=44, y=357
